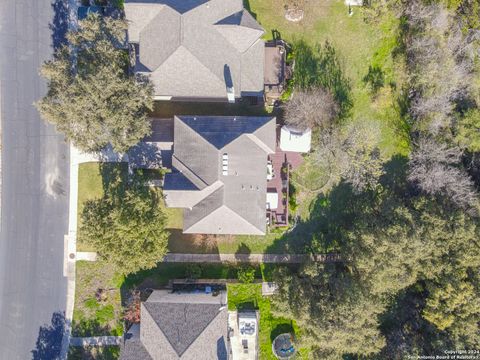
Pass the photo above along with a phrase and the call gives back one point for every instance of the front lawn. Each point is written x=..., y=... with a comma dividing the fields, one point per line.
x=249, y=297
x=93, y=177
x=94, y=353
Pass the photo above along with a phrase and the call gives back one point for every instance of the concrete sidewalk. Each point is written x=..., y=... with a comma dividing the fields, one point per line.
x=249, y=258
x=96, y=341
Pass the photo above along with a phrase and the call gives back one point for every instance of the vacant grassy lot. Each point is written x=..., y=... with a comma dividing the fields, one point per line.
x=249, y=297
x=94, y=315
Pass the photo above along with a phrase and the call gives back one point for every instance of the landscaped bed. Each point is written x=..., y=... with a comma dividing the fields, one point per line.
x=98, y=309
x=94, y=352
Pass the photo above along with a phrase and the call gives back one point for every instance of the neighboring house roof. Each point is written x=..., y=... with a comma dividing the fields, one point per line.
x=179, y=326
x=222, y=162
x=197, y=48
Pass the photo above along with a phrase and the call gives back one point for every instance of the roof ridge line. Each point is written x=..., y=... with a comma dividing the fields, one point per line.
x=259, y=143
x=194, y=341
x=209, y=194
x=210, y=189
x=161, y=331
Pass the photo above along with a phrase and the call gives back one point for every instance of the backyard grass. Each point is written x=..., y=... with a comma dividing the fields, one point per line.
x=168, y=109
x=93, y=316
x=249, y=297
x=359, y=45
x=223, y=244
x=159, y=276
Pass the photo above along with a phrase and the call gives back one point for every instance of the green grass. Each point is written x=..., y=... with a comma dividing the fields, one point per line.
x=249, y=297
x=160, y=276
x=359, y=44
x=90, y=316
x=94, y=353
x=174, y=218
x=92, y=178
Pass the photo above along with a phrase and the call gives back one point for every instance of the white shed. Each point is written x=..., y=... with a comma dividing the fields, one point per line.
x=295, y=140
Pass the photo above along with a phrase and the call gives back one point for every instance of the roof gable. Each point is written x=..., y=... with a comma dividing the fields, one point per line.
x=181, y=323
x=139, y=15
x=163, y=36
x=223, y=221
x=216, y=33
x=240, y=29
x=219, y=131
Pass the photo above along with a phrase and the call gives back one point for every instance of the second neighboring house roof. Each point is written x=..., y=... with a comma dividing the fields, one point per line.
x=197, y=48
x=180, y=326
x=222, y=163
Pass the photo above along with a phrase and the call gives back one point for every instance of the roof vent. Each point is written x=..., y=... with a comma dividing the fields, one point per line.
x=225, y=164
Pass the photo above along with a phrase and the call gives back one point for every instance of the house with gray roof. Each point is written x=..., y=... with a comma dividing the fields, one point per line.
x=197, y=49
x=219, y=173
x=187, y=326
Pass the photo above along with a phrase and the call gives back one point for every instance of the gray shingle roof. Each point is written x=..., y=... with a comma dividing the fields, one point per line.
x=186, y=45
x=230, y=203
x=180, y=326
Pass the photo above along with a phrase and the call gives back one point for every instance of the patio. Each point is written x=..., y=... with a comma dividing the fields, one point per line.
x=282, y=162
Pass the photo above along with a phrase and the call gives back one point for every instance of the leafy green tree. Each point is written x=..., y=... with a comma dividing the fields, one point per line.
x=450, y=302
x=127, y=228
x=468, y=135
x=246, y=274
x=91, y=97
x=336, y=314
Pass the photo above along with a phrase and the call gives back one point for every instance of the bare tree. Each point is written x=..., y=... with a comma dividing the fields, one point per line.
x=312, y=108
x=441, y=62
x=352, y=155
x=436, y=169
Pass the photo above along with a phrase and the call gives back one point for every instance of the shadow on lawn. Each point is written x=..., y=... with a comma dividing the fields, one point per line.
x=242, y=250
x=333, y=214
x=321, y=66
x=282, y=329
x=168, y=109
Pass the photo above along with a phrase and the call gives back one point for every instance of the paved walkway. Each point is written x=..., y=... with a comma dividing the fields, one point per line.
x=252, y=258
x=96, y=341
x=87, y=256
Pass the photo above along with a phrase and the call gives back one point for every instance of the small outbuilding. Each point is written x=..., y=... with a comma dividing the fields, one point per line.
x=295, y=140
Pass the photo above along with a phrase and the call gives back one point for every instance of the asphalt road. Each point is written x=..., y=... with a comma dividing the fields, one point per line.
x=34, y=190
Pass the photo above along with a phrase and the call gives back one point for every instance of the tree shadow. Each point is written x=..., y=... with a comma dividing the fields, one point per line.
x=59, y=25
x=247, y=306
x=246, y=5
x=89, y=327
x=145, y=155
x=405, y=329
x=242, y=252
x=282, y=329
x=49, y=341
x=178, y=242
x=333, y=214
x=321, y=66
x=114, y=177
